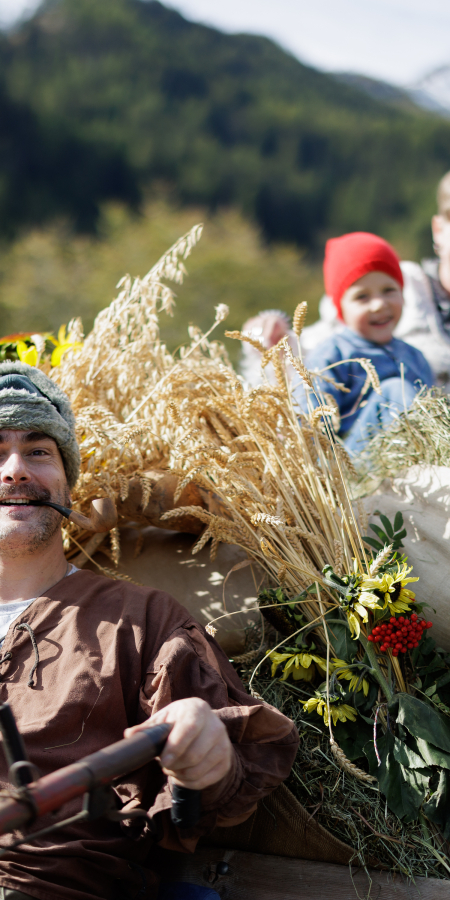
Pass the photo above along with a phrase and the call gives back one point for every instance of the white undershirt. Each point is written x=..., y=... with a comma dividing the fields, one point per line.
x=12, y=610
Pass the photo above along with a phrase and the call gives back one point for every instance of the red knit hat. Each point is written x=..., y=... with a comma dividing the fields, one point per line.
x=351, y=256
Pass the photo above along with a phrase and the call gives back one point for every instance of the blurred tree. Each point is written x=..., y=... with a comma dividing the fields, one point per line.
x=131, y=94
x=45, y=170
x=49, y=275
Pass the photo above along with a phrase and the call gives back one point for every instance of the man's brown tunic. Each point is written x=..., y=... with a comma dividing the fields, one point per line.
x=111, y=654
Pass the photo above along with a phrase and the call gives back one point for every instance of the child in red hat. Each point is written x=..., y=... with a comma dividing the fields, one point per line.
x=363, y=277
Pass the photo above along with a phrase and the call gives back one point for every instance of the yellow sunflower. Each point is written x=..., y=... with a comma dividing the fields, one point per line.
x=351, y=676
x=62, y=345
x=392, y=584
x=297, y=664
x=339, y=711
x=366, y=600
x=27, y=354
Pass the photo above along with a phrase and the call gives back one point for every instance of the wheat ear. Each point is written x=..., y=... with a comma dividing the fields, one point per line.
x=241, y=336
x=380, y=558
x=299, y=318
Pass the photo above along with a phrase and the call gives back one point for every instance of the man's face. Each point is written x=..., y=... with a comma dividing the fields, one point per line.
x=31, y=468
x=372, y=307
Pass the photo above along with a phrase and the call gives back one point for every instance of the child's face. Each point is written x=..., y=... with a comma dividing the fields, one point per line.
x=372, y=307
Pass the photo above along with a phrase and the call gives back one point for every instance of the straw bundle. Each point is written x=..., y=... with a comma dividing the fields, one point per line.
x=282, y=485
x=278, y=490
x=120, y=381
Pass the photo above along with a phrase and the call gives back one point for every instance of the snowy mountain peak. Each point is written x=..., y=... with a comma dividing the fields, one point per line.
x=433, y=90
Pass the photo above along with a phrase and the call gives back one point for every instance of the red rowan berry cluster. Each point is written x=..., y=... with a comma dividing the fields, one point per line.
x=400, y=634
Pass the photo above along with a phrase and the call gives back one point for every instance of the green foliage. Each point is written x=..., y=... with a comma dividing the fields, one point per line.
x=351, y=739
x=404, y=787
x=127, y=93
x=432, y=673
x=46, y=170
x=49, y=275
x=282, y=611
x=341, y=639
x=391, y=534
x=437, y=809
x=422, y=721
x=414, y=774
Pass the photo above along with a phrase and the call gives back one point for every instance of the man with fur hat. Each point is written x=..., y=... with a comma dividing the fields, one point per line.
x=85, y=658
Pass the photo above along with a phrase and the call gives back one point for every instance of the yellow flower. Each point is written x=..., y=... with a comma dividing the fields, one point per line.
x=354, y=625
x=27, y=354
x=365, y=601
x=297, y=664
x=389, y=584
x=339, y=711
x=353, y=677
x=62, y=345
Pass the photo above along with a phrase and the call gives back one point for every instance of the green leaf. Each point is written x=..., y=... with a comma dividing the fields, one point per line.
x=363, y=703
x=431, y=755
x=381, y=534
x=438, y=807
x=343, y=643
x=373, y=543
x=407, y=757
x=405, y=789
x=387, y=525
x=398, y=521
x=443, y=680
x=422, y=721
x=351, y=737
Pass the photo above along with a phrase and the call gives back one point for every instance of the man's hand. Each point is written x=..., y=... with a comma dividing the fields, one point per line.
x=198, y=751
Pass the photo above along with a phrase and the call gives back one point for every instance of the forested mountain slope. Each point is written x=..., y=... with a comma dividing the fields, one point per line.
x=127, y=93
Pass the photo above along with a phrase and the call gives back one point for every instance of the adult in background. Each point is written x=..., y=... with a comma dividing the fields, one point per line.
x=107, y=657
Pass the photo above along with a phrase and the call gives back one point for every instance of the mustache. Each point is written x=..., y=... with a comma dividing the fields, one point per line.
x=27, y=491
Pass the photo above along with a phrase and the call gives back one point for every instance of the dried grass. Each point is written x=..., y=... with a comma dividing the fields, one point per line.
x=351, y=809
x=421, y=435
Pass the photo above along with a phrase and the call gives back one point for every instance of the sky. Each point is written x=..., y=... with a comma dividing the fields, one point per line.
x=395, y=40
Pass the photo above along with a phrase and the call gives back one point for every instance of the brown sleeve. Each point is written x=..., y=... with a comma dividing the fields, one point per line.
x=191, y=664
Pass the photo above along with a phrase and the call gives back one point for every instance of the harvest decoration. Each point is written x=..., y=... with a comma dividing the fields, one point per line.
x=281, y=484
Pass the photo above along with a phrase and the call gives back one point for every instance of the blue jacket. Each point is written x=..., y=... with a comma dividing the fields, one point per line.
x=346, y=344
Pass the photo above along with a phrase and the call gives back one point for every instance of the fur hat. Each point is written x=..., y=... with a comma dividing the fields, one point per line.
x=29, y=400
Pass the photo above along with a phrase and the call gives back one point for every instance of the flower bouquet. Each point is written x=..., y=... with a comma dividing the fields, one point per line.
x=385, y=694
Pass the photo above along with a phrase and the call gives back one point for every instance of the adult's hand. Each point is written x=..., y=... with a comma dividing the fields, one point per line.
x=198, y=751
